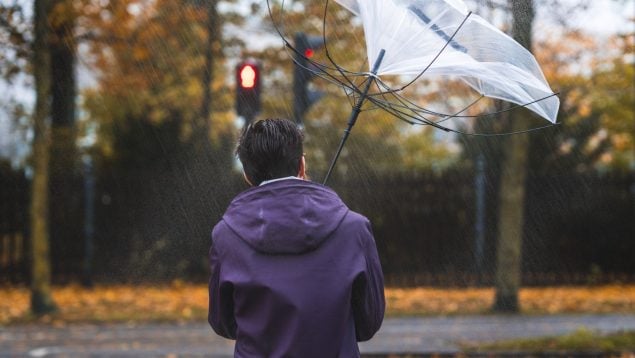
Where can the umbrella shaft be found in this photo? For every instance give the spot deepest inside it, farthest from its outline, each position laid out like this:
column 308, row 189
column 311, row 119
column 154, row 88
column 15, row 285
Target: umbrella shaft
column 355, row 113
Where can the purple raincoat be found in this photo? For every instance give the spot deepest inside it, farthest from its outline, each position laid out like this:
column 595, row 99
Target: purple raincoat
column 294, row 273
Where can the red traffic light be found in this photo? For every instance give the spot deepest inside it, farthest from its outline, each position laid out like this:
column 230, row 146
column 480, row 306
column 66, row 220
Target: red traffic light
column 248, row 88
column 247, row 75
column 308, row 53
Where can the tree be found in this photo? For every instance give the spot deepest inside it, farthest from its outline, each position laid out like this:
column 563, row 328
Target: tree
column 155, row 62
column 41, row 299
column 15, row 33
column 613, row 101
column 15, row 58
column 62, row 47
column 212, row 45
column 31, row 42
column 65, row 228
column 596, row 117
column 512, row 185
column 165, row 126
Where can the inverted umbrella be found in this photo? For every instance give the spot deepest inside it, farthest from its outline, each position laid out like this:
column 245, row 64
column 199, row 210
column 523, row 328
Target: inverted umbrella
column 416, row 39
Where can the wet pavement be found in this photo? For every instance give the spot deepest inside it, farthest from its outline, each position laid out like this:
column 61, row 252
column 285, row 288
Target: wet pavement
column 398, row 335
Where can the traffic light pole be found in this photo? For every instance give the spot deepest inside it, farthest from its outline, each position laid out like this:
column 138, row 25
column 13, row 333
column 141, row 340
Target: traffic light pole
column 355, row 113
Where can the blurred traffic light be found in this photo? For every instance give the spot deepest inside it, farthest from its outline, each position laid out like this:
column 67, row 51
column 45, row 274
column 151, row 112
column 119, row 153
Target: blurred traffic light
column 303, row 73
column 248, row 89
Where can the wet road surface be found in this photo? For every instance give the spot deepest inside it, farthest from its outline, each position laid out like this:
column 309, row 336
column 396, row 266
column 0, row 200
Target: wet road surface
column 397, row 335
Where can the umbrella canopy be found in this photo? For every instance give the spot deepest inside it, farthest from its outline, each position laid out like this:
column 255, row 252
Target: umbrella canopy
column 442, row 38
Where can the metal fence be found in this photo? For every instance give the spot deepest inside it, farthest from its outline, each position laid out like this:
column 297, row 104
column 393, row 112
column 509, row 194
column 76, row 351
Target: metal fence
column 580, row 229
column 13, row 225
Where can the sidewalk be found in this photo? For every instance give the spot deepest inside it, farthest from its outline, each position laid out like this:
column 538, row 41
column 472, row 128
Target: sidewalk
column 398, row 335
column 443, row 334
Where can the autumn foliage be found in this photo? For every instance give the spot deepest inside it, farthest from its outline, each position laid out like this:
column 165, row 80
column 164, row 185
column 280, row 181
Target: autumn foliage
column 179, row 302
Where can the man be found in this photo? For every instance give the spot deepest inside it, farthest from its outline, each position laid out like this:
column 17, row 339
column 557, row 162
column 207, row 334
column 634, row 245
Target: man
column 294, row 272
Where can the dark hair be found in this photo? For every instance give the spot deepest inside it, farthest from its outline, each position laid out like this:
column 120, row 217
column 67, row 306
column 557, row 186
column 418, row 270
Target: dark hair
column 270, row 149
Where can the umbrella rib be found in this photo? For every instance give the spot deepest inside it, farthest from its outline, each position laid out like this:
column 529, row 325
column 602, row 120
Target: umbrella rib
column 388, row 103
column 417, row 108
column 456, row 115
column 515, row 106
column 393, row 109
column 326, row 48
column 410, row 119
column 351, row 85
column 506, row 133
column 405, row 101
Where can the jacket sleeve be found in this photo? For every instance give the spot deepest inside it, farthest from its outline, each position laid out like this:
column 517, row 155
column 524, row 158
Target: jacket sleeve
column 221, row 306
column 369, row 302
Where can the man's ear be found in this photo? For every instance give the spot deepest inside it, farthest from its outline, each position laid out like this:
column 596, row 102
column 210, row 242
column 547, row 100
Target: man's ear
column 247, row 179
column 302, row 170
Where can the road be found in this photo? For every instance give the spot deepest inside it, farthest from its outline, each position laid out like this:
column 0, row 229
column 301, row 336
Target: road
column 398, row 335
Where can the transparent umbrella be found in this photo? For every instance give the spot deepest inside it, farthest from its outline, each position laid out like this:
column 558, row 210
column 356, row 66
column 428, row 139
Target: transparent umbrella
column 422, row 39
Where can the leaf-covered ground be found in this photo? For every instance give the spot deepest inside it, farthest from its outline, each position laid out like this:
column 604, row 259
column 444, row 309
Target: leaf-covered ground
column 186, row 302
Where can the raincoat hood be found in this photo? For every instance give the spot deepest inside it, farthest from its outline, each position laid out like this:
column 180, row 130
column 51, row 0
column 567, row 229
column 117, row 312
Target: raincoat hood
column 285, row 217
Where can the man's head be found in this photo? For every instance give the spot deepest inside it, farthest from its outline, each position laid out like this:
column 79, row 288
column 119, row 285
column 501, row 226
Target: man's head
column 270, row 149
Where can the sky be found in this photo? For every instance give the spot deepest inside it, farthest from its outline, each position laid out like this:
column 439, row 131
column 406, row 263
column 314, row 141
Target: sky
column 607, row 16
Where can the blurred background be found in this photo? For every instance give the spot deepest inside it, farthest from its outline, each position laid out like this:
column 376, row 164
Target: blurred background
column 118, row 121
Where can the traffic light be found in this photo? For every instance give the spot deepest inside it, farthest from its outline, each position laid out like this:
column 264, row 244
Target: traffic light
column 304, row 71
column 248, row 89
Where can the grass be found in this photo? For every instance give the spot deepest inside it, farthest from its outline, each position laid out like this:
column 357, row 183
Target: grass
column 582, row 340
column 182, row 302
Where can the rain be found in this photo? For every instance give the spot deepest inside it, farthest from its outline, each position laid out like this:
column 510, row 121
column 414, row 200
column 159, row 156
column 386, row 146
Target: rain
column 498, row 173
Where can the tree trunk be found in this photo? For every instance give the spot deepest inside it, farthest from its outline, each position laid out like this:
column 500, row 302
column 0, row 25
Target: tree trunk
column 63, row 49
column 512, row 186
column 65, row 196
column 41, row 299
column 212, row 47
